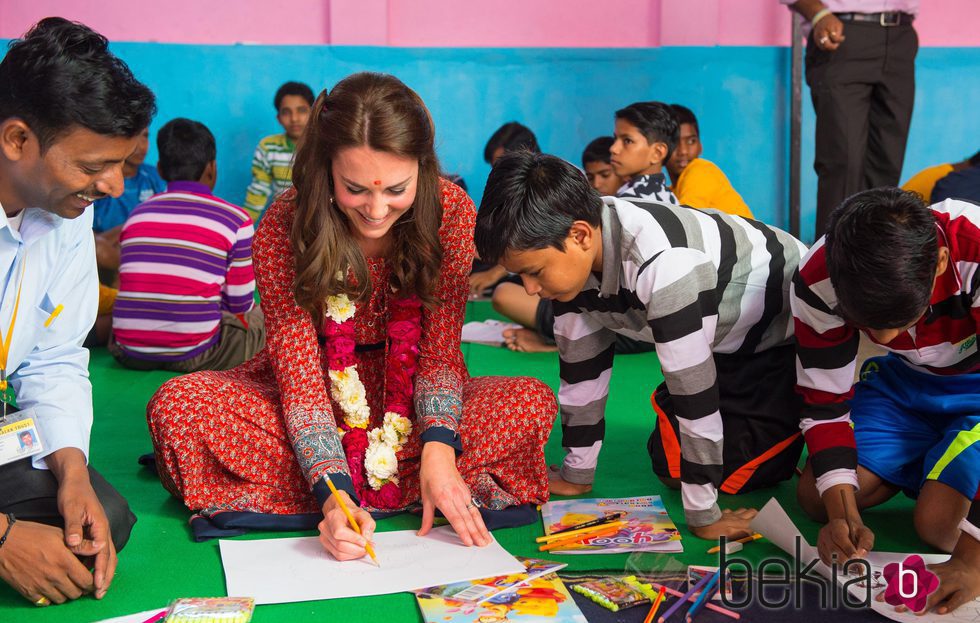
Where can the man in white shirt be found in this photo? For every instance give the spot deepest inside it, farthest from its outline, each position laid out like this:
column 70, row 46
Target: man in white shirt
column 860, row 67
column 70, row 115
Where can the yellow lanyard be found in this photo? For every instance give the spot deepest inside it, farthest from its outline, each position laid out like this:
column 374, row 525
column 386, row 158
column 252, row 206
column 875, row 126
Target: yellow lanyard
column 5, row 343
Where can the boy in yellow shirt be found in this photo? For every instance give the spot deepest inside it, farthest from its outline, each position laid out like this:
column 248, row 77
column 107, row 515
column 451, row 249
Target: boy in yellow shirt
column 699, row 183
column 925, row 180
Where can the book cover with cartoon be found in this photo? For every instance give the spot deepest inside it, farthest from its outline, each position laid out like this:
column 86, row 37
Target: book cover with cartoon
column 648, row 526
column 537, row 600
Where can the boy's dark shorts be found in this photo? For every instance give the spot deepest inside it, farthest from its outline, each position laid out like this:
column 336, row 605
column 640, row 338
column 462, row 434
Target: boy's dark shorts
column 760, row 410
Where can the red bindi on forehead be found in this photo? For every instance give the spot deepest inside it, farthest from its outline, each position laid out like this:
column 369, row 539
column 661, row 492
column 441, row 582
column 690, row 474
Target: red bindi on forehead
column 377, row 182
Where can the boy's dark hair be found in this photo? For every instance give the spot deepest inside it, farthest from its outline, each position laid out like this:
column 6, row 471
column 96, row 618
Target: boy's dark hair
column 61, row 74
column 882, row 249
column 530, row 202
column 293, row 88
column 512, row 137
column 975, row 159
column 185, row 148
column 655, row 120
column 598, row 150
column 683, row 114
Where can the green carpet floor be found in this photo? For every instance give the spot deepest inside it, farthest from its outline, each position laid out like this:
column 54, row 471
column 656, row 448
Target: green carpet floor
column 161, row 562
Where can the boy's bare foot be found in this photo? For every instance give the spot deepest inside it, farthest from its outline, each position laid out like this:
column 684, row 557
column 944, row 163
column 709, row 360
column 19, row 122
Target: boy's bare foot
column 527, row 341
column 559, row 486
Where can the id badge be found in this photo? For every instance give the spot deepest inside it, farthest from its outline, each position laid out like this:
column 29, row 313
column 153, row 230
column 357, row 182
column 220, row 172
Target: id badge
column 19, row 437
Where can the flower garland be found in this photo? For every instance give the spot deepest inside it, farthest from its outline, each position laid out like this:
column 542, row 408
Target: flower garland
column 372, row 455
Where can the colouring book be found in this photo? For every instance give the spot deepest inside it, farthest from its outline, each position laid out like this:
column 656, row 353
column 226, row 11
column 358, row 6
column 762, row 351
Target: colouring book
column 649, row 527
column 539, row 600
column 484, row 589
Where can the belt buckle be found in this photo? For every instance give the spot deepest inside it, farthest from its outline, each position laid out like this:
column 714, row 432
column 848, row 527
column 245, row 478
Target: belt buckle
column 884, row 21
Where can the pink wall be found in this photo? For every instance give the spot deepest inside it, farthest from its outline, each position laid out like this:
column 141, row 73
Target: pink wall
column 461, row 23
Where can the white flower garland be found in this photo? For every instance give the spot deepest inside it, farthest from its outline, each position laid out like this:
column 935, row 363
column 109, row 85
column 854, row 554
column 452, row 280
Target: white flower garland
column 380, row 458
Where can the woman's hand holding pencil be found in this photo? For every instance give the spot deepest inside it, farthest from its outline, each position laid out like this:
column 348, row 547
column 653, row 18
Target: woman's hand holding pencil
column 339, row 535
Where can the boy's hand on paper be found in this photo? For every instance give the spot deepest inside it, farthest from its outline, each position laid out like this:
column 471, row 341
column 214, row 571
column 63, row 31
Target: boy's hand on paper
column 36, row 562
column 734, row 524
column 336, row 534
column 959, row 577
column 443, row 488
column 845, row 538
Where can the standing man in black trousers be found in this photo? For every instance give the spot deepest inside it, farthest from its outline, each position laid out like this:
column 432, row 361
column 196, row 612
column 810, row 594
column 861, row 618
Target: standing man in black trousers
column 860, row 66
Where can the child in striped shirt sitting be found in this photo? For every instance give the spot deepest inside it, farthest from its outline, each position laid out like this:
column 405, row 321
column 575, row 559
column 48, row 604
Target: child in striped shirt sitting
column 272, row 164
column 186, row 284
column 710, row 291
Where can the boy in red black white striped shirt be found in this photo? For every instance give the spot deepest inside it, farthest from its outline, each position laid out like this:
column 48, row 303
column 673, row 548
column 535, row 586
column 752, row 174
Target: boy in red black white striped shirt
column 908, row 276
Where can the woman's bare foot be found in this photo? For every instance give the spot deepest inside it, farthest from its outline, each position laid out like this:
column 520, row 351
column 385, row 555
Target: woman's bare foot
column 559, row 486
column 527, row 341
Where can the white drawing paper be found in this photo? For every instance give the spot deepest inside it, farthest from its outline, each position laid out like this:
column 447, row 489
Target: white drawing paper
column 773, row 523
column 298, row 569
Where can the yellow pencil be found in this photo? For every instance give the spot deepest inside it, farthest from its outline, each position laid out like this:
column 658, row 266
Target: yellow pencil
column 350, row 518
column 561, row 536
column 747, row 539
column 574, row 540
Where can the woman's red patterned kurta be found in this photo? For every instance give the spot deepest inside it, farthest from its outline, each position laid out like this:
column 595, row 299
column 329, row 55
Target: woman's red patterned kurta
column 259, row 437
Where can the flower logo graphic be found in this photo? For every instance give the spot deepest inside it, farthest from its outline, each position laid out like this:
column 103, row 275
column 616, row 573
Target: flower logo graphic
column 909, row 583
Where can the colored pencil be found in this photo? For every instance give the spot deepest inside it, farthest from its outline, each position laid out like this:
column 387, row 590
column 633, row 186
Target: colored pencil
column 680, row 602
column 586, row 524
column 159, row 616
column 350, row 518
column 747, row 539
column 706, row 594
column 608, row 531
column 709, row 606
column 656, row 604
column 567, row 535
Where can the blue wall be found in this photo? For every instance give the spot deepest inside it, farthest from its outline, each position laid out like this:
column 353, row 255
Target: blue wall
column 567, row 96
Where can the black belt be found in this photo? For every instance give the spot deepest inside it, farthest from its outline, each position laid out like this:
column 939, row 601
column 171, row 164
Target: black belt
column 888, row 18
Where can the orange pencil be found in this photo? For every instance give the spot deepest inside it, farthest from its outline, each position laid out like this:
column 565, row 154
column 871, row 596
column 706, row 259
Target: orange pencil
column 656, row 604
column 580, row 537
column 350, row 518
column 563, row 536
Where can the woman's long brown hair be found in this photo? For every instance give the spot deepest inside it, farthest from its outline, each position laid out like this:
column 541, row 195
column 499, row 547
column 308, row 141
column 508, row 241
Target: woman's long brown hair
column 380, row 112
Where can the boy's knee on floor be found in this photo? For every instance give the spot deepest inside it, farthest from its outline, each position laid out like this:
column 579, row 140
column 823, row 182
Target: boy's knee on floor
column 671, row 483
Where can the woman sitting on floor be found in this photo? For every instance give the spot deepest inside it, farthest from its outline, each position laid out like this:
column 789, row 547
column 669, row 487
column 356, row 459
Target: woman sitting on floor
column 363, row 274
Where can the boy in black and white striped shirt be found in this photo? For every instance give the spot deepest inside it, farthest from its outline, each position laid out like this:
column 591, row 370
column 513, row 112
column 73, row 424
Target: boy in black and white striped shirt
column 709, row 290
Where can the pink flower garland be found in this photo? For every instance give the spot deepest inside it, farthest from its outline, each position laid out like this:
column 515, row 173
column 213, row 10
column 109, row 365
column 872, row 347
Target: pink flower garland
column 404, row 330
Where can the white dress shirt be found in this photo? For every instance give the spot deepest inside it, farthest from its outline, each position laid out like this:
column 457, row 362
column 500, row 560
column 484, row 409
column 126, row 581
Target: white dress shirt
column 48, row 366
